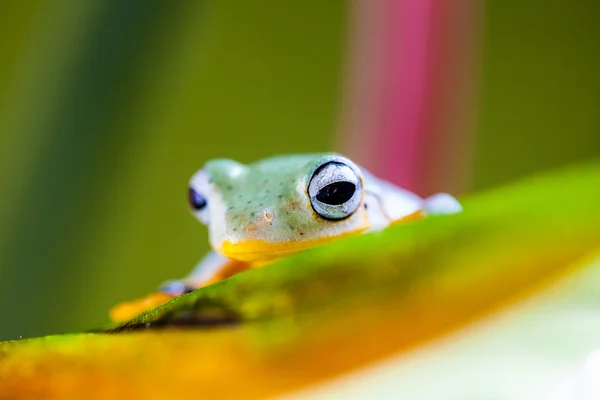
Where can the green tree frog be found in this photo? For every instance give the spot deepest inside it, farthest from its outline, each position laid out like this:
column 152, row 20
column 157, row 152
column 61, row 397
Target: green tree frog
column 277, row 206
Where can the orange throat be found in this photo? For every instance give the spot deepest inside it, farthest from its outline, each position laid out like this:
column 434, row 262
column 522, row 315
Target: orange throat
column 259, row 252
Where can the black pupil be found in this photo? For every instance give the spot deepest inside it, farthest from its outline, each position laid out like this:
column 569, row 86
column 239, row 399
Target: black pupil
column 197, row 202
column 336, row 193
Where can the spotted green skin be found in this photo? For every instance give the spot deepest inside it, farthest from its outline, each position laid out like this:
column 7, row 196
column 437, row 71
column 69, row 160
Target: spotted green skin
column 279, row 185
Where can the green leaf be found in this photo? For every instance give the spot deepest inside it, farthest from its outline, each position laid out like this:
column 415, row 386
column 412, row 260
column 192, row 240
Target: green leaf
column 333, row 308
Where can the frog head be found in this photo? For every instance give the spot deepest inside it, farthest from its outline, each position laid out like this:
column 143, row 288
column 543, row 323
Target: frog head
column 277, row 206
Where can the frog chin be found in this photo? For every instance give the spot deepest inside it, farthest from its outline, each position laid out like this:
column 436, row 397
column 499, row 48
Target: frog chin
column 259, row 252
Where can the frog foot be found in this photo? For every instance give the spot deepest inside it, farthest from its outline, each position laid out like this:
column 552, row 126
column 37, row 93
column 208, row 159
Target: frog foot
column 127, row 310
column 177, row 287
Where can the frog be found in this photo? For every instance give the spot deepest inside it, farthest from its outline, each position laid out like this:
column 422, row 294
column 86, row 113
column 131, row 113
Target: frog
column 272, row 208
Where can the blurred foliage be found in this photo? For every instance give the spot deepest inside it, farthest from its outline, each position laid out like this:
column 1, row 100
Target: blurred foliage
column 111, row 111
column 107, row 108
column 298, row 320
column 540, row 90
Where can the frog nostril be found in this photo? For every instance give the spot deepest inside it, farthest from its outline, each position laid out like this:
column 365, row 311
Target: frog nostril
column 268, row 214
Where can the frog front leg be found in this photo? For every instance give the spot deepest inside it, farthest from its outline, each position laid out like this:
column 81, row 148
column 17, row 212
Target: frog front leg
column 211, row 268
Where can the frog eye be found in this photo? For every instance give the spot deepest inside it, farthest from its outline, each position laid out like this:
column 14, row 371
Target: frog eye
column 198, row 204
column 335, row 190
column 196, row 200
column 198, row 196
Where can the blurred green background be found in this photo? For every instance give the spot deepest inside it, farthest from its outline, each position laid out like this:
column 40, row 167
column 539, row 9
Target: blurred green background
column 107, row 108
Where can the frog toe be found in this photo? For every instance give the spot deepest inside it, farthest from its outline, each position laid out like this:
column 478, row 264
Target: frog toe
column 175, row 288
column 442, row 203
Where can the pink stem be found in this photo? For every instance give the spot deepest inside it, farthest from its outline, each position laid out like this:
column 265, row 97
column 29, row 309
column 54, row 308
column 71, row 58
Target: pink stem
column 407, row 68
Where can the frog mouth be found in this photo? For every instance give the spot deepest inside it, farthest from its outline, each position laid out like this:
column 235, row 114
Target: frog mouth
column 261, row 251
column 257, row 251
